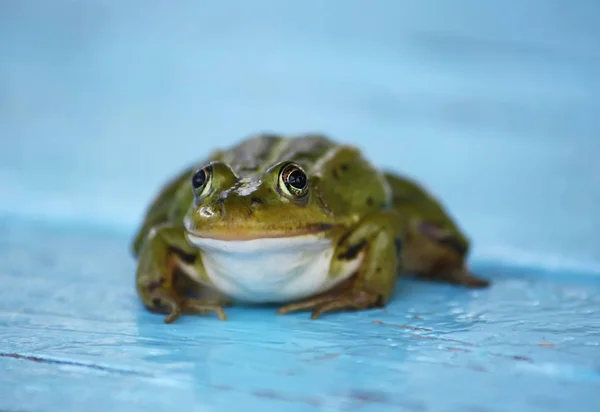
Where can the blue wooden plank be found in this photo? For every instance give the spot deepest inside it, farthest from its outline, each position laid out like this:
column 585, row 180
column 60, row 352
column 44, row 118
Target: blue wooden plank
column 74, row 337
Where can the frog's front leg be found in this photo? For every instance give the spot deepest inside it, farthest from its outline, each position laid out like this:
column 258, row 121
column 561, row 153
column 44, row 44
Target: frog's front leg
column 376, row 238
column 165, row 258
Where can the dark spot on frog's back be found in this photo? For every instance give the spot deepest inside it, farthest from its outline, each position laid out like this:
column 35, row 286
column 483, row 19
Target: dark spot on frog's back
column 369, row 201
column 338, row 170
column 251, row 153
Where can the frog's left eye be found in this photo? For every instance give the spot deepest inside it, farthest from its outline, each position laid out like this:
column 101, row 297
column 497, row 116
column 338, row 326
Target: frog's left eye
column 201, row 180
column 293, row 180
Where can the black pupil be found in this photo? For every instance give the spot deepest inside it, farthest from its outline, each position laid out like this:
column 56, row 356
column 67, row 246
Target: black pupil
column 199, row 179
column 297, row 179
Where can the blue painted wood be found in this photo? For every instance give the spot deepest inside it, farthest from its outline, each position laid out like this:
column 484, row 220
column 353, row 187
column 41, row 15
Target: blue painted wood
column 75, row 338
column 492, row 104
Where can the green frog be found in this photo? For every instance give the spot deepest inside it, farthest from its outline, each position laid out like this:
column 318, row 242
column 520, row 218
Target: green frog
column 302, row 222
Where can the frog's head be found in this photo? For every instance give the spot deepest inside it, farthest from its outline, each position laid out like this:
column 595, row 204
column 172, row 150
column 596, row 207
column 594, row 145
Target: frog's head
column 279, row 202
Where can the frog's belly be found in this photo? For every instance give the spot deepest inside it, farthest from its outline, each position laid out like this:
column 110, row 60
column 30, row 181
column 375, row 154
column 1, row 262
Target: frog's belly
column 271, row 270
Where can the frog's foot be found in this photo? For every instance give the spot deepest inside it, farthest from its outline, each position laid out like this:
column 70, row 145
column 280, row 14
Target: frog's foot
column 461, row 277
column 346, row 300
column 175, row 306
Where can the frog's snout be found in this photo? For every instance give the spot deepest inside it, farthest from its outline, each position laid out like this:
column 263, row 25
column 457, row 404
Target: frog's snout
column 232, row 210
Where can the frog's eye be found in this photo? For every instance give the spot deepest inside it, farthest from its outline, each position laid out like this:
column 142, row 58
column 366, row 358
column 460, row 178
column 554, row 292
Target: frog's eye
column 200, row 181
column 293, row 180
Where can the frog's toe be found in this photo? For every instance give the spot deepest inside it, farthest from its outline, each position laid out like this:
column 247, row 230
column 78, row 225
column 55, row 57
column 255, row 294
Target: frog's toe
column 175, row 306
column 329, row 307
column 169, row 305
column 203, row 307
column 473, row 282
column 173, row 315
column 358, row 300
column 459, row 277
column 304, row 305
column 350, row 300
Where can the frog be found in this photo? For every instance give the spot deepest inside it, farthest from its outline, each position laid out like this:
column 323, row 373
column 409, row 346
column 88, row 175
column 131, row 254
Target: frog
column 303, row 222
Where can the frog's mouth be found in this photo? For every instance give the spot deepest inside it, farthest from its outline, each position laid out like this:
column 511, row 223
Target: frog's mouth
column 239, row 233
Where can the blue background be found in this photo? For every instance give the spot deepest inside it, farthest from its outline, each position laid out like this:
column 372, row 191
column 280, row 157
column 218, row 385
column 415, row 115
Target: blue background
column 492, row 105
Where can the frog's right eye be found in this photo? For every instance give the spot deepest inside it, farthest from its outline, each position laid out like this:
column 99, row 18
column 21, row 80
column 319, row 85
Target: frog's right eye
column 200, row 181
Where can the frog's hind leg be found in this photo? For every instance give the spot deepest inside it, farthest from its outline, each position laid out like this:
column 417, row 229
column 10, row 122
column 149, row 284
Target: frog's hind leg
column 435, row 254
column 374, row 240
column 164, row 260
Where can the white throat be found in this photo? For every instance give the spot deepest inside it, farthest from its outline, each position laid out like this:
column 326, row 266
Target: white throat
column 270, row 270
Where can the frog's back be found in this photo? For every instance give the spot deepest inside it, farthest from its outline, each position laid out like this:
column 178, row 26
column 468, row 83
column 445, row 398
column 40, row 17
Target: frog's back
column 344, row 179
column 415, row 203
column 258, row 153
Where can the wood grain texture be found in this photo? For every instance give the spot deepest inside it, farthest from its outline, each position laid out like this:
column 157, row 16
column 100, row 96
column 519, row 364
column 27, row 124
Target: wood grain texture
column 74, row 337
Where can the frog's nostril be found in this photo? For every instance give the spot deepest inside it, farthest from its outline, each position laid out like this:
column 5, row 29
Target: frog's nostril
column 255, row 201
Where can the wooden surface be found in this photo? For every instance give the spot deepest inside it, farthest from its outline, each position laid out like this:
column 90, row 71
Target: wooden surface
column 75, row 338
column 493, row 105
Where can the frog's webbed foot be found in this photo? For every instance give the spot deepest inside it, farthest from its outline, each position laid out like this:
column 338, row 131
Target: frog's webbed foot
column 175, row 306
column 335, row 301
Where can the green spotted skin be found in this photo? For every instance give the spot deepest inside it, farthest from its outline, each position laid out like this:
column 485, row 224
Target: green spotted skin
column 348, row 185
column 379, row 223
